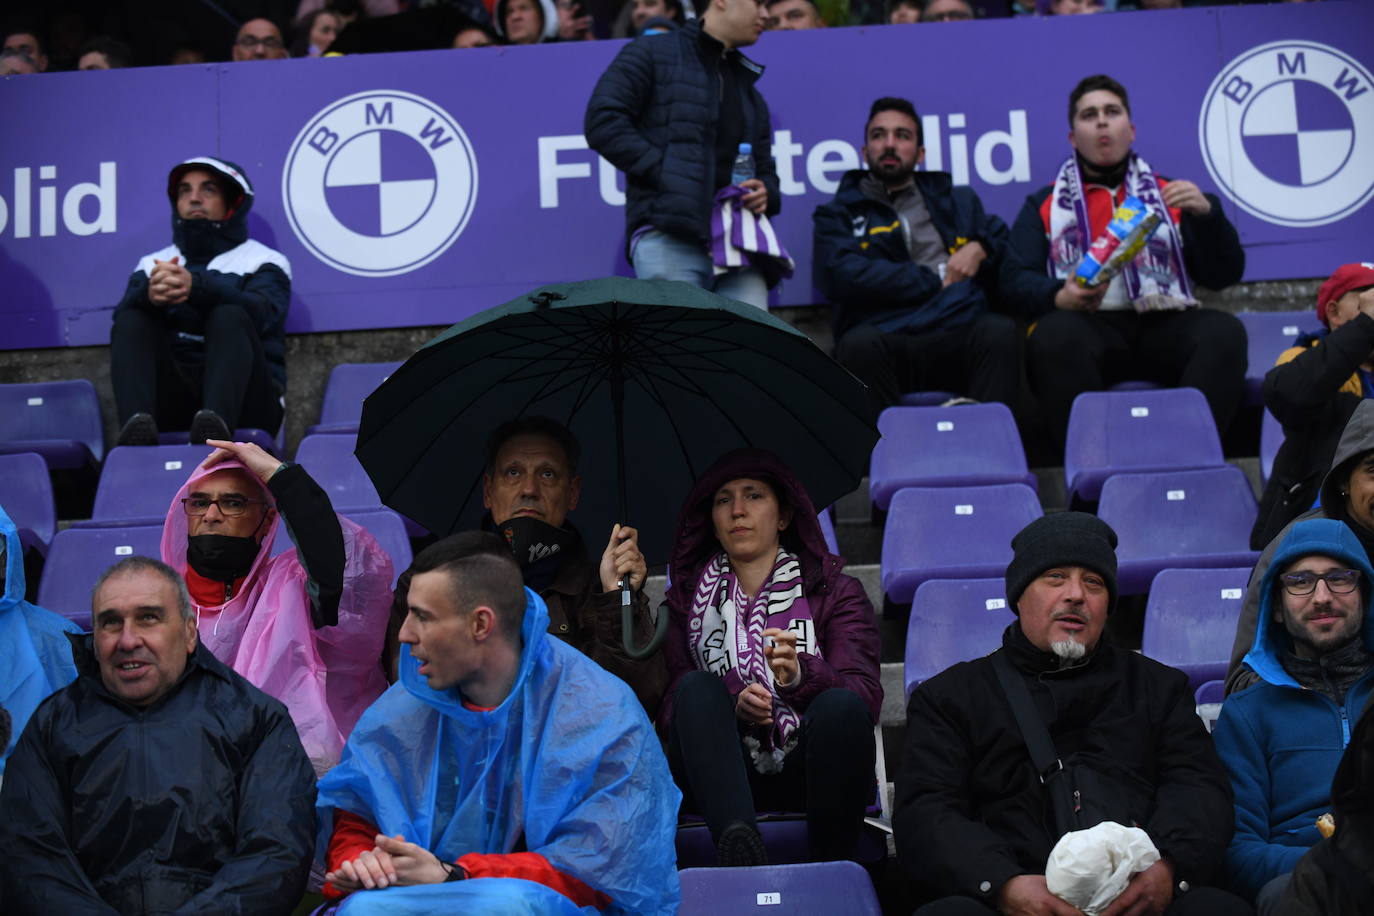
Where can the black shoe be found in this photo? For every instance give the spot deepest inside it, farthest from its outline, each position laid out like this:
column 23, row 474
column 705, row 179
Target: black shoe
column 140, row 429
column 207, row 424
column 740, row 846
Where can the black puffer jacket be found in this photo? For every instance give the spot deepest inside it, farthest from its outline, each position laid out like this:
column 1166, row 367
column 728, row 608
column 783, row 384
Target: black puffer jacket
column 203, row 802
column 653, row 115
column 971, row 810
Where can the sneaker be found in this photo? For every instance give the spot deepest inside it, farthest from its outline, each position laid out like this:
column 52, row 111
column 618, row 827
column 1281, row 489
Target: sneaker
column 740, row 846
column 140, row 429
column 207, row 424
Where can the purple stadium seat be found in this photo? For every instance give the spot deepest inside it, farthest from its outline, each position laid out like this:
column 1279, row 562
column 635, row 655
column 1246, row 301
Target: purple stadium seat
column 1120, row 432
column 1190, row 619
column 1186, row 519
column 1210, row 692
column 1134, row 385
column 953, row 620
column 784, row 836
column 348, row 386
column 386, row 525
column 137, row 483
column 925, row 398
column 1269, row 334
column 969, row 445
column 330, row 460
column 260, row 437
column 832, row 888
column 1271, row 437
column 78, row 556
column 828, row 530
column 58, row 420
column 26, row 496
column 952, row 533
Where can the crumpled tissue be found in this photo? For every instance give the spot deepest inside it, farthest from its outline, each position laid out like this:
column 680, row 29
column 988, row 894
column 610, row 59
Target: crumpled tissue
column 1090, row 868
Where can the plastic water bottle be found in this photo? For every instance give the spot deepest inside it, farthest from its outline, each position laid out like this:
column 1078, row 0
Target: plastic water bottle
column 743, row 169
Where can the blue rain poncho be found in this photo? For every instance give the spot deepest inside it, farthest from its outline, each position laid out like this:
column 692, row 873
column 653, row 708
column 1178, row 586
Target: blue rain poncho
column 568, row 760
column 35, row 656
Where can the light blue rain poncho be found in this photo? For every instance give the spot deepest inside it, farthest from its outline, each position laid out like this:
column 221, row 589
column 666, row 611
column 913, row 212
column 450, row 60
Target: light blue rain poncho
column 568, row 760
column 35, row 656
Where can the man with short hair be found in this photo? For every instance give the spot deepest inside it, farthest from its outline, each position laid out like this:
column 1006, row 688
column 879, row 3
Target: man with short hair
column 946, row 11
column 641, row 11
column 159, row 781
column 910, row 262
column 1143, row 324
column 976, row 817
column 530, row 487
column 904, row 12
column 671, row 112
column 500, row 753
column 1312, row 390
column 1282, row 739
column 16, row 63
column 26, row 42
column 199, row 339
column 793, row 15
column 103, row 53
column 305, row 625
column 259, row 39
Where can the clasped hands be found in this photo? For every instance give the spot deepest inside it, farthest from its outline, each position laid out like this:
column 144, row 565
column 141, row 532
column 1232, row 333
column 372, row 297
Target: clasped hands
column 392, row 862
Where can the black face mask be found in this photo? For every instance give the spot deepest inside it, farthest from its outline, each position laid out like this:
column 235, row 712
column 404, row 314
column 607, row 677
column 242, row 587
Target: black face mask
column 539, row 547
column 221, row 557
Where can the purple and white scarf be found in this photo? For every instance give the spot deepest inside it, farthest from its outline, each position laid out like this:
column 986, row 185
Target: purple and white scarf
column 726, row 638
column 739, row 238
column 1156, row 279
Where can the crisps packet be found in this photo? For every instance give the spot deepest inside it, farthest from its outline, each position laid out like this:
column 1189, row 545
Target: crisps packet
column 1131, row 227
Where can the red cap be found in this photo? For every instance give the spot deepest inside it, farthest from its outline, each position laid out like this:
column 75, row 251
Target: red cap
column 1346, row 278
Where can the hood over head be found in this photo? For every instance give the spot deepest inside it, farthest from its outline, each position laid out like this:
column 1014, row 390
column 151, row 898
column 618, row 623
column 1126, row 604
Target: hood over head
column 550, row 11
column 175, row 528
column 1315, row 536
column 203, row 239
column 12, row 563
column 1357, row 439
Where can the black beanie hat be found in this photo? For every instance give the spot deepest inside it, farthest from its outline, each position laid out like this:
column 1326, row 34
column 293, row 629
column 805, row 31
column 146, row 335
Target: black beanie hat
column 1062, row 539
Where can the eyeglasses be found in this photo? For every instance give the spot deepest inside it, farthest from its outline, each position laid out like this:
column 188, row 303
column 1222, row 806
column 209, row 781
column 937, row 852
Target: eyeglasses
column 271, row 42
column 1338, row 581
column 229, row 506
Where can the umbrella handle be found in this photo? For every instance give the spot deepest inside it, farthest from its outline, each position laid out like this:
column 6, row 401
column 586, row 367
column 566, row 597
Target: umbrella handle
column 627, row 625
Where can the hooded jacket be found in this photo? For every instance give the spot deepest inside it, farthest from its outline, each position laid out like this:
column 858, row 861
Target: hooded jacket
column 547, row 7
column 863, row 263
column 1313, row 389
column 846, row 626
column 1281, row 742
column 307, row 625
column 1356, row 439
column 226, row 266
column 36, row 658
column 567, row 766
column 198, row 803
column 971, row 810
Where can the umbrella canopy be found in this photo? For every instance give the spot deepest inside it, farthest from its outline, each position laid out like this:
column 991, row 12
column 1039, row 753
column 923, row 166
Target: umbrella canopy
column 656, row 379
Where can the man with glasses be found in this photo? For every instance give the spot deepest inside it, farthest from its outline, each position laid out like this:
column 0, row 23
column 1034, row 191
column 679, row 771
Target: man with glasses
column 259, row 39
column 1282, row 738
column 304, row 625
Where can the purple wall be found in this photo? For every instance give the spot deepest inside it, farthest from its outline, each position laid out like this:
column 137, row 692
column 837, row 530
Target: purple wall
column 420, row 188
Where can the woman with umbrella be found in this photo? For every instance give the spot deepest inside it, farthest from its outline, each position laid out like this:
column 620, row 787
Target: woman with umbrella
column 772, row 654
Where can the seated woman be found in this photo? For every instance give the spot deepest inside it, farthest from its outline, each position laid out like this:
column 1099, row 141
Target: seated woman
column 773, row 657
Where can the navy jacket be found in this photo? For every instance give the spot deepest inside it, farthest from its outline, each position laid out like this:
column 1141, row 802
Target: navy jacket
column 653, row 115
column 863, row 265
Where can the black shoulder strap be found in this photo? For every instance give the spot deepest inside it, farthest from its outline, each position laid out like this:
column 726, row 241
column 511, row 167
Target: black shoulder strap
column 1033, row 732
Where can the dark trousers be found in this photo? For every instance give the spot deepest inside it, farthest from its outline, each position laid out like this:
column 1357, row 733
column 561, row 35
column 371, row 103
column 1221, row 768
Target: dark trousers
column 1069, row 353
column 981, row 360
column 234, row 379
column 829, row 774
column 1201, row 901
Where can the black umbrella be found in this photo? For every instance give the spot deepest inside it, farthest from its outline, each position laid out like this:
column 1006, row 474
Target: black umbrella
column 656, row 379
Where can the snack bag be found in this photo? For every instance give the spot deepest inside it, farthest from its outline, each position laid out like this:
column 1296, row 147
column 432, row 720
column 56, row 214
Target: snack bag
column 1131, row 227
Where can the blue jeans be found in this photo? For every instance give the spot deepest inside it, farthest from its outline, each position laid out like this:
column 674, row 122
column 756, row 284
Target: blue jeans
column 661, row 256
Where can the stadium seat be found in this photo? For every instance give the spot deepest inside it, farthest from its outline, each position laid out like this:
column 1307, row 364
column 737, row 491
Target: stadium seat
column 832, row 888
column 329, row 459
column 828, row 531
column 78, row 556
column 970, row 445
column 260, row 437
column 348, row 386
column 1210, row 692
column 953, row 620
column 386, row 525
column 1271, row 437
column 1269, row 334
column 951, row 533
column 138, row 483
column 1190, row 620
column 1134, row 385
column 26, row 496
column 1187, row 519
column 58, row 420
column 925, row 398
column 1118, row 432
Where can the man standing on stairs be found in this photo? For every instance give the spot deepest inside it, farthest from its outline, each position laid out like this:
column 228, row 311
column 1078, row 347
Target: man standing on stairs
column 199, row 338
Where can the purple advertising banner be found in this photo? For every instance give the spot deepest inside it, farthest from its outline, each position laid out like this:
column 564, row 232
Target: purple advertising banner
column 415, row 189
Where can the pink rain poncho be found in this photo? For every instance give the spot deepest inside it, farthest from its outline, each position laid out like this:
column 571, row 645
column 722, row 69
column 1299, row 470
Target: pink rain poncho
column 327, row 676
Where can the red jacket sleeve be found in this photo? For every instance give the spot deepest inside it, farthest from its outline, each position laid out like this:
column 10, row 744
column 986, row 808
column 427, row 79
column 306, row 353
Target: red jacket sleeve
column 532, row 867
column 352, row 836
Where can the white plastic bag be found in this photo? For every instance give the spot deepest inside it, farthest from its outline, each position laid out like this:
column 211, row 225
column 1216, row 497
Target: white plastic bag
column 1090, row 868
